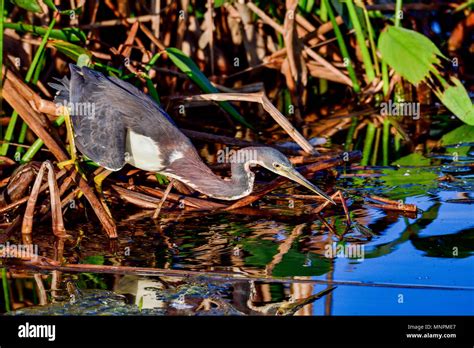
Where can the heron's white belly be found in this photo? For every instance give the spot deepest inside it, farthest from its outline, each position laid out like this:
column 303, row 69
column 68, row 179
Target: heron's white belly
column 143, row 152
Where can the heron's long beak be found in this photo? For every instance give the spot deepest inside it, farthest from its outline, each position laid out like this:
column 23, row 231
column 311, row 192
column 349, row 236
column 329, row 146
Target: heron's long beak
column 294, row 175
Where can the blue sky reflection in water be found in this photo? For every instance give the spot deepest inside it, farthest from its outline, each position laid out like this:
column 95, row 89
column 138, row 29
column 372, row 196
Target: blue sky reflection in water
column 413, row 255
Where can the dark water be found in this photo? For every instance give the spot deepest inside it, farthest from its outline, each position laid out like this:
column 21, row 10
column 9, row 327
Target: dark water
column 385, row 264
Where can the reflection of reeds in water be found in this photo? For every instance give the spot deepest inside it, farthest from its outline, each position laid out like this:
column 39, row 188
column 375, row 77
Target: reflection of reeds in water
column 301, row 291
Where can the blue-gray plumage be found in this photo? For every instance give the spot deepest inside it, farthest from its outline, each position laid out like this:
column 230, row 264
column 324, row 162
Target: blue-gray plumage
column 115, row 123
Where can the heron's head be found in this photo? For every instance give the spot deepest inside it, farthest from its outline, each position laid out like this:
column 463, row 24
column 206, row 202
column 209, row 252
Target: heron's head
column 278, row 163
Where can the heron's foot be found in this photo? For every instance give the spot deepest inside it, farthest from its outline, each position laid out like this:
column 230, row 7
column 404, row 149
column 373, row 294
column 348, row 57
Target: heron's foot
column 66, row 163
column 73, row 161
column 99, row 179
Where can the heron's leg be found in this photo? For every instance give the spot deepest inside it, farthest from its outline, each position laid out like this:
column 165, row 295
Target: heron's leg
column 66, row 163
column 72, row 145
column 98, row 180
column 70, row 135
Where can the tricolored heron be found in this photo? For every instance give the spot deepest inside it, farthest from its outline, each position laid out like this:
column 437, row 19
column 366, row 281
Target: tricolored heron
column 115, row 123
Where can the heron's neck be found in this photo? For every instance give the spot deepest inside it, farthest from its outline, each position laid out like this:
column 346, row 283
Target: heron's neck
column 199, row 177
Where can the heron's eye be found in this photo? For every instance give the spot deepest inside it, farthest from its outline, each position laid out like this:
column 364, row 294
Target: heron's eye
column 276, row 165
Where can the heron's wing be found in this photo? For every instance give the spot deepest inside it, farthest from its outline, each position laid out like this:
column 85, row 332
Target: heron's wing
column 121, row 96
column 99, row 132
column 102, row 139
column 113, row 107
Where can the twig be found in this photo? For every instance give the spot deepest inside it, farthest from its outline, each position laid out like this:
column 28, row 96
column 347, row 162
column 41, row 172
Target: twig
column 126, row 48
column 163, row 199
column 210, row 31
column 229, row 141
column 325, row 223
column 149, row 202
column 152, row 37
column 392, row 205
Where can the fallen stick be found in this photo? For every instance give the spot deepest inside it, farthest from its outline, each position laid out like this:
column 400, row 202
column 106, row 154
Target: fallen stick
column 146, row 201
column 43, row 298
column 392, row 205
column 346, row 209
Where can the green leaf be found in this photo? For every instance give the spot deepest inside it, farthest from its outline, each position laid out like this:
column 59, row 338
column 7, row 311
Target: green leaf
column 66, row 34
column 162, row 179
column 261, row 252
column 69, row 49
column 414, row 159
column 29, row 5
column 407, row 182
column 442, row 245
column 411, row 54
column 456, row 99
column 462, row 134
column 50, row 4
column 187, row 66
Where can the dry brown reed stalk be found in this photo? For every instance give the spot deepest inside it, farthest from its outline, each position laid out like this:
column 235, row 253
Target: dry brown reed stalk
column 148, row 198
column 319, row 59
column 320, row 207
column 229, row 141
column 126, row 49
column 56, row 212
column 296, row 77
column 388, row 204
